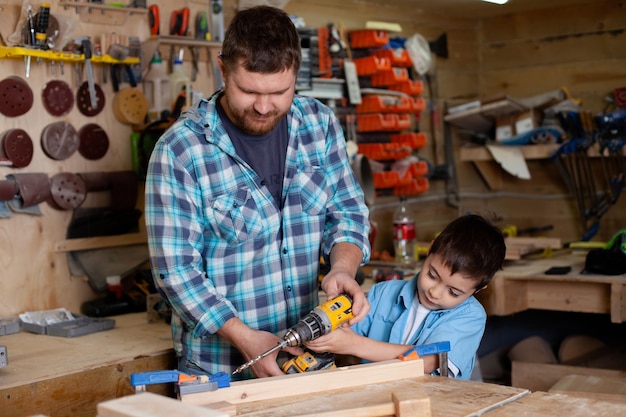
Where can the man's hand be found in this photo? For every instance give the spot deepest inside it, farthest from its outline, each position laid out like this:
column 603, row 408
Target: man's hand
column 345, row 259
column 251, row 343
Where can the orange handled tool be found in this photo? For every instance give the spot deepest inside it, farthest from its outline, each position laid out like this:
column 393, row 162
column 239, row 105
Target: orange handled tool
column 179, row 23
column 154, row 20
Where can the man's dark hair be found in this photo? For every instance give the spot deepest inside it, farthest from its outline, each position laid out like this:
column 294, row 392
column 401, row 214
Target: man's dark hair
column 472, row 246
column 265, row 40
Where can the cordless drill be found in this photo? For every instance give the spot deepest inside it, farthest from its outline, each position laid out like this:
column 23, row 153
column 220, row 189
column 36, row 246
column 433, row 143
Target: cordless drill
column 321, row 320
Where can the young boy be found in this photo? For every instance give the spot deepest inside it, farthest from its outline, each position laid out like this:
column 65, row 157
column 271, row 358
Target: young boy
column 436, row 305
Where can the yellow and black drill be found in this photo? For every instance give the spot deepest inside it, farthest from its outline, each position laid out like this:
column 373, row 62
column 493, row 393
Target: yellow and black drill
column 321, row 320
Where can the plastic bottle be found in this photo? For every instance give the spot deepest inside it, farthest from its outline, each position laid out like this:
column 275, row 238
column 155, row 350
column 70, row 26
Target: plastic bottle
column 156, row 88
column 404, row 235
column 180, row 83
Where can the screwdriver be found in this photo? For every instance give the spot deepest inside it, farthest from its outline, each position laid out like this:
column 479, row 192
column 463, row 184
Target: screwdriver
column 43, row 20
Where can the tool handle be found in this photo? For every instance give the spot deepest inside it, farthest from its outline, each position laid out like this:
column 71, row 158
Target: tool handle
column 155, row 23
column 43, row 20
column 86, row 47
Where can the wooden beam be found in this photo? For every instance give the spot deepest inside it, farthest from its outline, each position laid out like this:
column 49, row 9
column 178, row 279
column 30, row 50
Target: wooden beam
column 148, row 404
column 100, row 242
column 296, row 384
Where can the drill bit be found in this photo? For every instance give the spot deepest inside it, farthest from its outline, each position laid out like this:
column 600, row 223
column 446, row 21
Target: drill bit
column 252, row 361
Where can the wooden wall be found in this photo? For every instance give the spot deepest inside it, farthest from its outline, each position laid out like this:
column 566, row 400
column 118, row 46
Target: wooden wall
column 582, row 48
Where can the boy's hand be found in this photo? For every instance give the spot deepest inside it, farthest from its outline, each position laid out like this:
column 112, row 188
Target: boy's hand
column 339, row 341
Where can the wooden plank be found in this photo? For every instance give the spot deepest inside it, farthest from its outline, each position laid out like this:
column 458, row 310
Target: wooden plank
column 296, row 384
column 448, row 398
column 540, row 377
column 591, row 386
column 588, row 17
column 152, row 405
column 556, row 405
column 100, row 242
column 618, row 302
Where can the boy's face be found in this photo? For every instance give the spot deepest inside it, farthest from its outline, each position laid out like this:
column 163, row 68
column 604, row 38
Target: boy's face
column 438, row 289
column 256, row 102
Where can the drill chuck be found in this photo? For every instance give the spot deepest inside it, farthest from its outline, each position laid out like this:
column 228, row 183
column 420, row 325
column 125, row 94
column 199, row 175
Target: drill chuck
column 322, row 320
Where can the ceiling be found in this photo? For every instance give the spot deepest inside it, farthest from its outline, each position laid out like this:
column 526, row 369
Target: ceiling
column 477, row 9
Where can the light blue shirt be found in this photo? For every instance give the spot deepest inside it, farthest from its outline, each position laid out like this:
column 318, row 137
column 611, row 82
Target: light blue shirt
column 221, row 247
column 463, row 326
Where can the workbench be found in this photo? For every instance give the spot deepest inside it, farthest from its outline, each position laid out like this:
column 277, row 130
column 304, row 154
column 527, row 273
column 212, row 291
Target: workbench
column 60, row 377
column 523, row 285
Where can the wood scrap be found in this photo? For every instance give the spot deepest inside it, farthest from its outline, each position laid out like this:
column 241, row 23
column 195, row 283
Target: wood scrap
column 517, row 247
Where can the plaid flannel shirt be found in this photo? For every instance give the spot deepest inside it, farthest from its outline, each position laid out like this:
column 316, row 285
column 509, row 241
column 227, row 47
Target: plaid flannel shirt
column 219, row 246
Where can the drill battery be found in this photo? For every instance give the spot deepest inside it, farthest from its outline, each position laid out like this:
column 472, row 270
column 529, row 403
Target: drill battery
column 309, row 361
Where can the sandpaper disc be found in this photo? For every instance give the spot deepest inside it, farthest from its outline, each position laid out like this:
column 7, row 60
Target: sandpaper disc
column 59, row 140
column 67, row 190
column 83, row 100
column 58, row 98
column 130, row 106
column 16, row 97
column 17, row 146
column 94, row 142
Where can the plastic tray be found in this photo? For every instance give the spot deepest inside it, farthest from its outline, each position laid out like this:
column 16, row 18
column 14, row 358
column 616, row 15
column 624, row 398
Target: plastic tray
column 80, row 326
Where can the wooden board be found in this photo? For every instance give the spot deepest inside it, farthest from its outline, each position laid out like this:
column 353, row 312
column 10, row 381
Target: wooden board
column 152, row 405
column 300, row 384
column 591, row 386
column 448, row 398
column 557, row 405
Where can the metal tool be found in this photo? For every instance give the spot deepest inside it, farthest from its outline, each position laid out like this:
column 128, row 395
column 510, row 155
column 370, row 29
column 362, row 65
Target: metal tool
column 321, row 320
column 185, row 384
column 309, row 361
column 85, row 44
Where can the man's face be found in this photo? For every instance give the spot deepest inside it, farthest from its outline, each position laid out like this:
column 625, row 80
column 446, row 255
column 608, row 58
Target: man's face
column 256, row 102
column 438, row 289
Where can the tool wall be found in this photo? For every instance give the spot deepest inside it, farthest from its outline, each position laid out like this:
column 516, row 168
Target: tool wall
column 67, row 113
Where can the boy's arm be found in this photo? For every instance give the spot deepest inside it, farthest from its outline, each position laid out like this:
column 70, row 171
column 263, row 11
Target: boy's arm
column 344, row 341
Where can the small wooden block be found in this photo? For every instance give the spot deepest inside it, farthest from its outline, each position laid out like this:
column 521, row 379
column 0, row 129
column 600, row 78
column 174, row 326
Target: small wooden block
column 408, row 406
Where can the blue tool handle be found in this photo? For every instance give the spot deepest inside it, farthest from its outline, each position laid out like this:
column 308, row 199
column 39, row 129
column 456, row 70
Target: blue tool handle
column 155, row 377
column 431, row 348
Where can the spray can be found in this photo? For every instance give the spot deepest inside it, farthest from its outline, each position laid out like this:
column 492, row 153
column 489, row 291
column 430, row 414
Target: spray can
column 156, row 86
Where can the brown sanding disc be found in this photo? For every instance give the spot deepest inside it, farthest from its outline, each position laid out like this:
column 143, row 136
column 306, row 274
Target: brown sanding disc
column 94, row 142
column 83, row 100
column 59, row 140
column 58, row 98
column 130, row 106
column 16, row 97
column 17, row 146
column 67, row 191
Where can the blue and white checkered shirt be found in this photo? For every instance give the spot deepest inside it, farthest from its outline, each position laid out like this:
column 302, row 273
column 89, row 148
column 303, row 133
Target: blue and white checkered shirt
column 219, row 246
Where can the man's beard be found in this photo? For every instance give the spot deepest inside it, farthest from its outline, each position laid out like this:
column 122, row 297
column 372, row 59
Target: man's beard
column 247, row 121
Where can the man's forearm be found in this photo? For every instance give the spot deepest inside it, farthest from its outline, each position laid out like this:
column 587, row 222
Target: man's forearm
column 346, row 257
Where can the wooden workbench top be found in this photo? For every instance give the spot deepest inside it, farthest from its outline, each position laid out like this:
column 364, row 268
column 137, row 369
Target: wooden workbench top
column 34, row 357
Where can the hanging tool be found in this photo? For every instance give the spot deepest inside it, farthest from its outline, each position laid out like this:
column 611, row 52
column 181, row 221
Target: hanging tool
column 85, row 44
column 41, row 30
column 179, row 22
column 217, row 21
column 320, row 321
column 202, row 33
column 155, row 22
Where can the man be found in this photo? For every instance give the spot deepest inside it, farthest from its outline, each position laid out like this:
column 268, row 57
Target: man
column 244, row 193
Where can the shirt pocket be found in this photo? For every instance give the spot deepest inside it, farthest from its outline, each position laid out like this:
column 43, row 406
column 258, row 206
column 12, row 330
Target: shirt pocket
column 236, row 216
column 312, row 189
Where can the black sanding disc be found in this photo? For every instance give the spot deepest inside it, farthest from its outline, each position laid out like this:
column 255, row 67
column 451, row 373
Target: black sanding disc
column 59, row 140
column 58, row 98
column 17, row 146
column 16, row 97
column 94, row 142
column 67, row 191
column 83, row 100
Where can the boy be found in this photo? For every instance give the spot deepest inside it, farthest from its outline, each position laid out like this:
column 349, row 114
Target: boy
column 434, row 306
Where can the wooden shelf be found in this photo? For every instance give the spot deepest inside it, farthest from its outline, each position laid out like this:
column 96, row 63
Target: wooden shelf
column 101, row 13
column 100, row 242
column 481, row 153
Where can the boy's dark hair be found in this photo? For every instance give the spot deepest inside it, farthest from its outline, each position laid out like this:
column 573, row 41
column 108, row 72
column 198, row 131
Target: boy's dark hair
column 472, row 246
column 264, row 38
